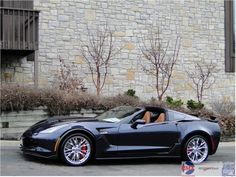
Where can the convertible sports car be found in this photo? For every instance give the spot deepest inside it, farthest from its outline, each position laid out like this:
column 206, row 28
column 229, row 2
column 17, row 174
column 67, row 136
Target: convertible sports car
column 123, row 132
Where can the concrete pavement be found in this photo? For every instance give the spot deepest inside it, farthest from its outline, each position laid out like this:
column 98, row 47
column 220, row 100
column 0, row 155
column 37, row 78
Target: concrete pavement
column 14, row 163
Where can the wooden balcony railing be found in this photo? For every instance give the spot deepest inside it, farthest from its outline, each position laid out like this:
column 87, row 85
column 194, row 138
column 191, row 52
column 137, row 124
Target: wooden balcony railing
column 18, row 29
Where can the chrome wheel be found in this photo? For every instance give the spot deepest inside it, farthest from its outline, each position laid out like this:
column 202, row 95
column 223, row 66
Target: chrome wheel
column 77, row 150
column 197, row 149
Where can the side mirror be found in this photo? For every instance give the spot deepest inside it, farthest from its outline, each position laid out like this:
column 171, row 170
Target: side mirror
column 137, row 122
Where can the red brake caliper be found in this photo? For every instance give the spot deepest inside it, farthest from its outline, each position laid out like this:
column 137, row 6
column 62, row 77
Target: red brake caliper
column 189, row 149
column 83, row 150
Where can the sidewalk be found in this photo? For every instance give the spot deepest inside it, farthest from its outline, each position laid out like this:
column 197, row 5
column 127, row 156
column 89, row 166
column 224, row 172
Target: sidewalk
column 9, row 143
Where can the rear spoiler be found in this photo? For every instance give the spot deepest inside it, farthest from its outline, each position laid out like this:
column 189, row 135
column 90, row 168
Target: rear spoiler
column 212, row 120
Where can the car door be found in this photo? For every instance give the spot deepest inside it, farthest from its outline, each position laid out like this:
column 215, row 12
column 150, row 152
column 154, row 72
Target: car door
column 147, row 139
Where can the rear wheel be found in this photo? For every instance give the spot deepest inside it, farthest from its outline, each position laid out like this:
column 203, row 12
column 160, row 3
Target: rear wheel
column 76, row 149
column 196, row 149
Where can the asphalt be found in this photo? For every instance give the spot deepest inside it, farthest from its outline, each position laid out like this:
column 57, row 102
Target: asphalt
column 13, row 162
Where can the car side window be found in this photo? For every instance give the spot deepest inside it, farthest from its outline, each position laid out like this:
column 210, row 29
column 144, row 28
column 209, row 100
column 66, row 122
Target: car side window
column 175, row 116
column 153, row 116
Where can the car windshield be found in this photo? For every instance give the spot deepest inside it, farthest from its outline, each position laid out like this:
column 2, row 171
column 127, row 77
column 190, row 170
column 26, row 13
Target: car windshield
column 118, row 113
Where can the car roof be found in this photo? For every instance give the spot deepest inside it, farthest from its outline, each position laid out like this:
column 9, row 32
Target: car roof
column 155, row 108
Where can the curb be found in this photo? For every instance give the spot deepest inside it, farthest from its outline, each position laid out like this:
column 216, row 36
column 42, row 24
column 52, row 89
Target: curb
column 225, row 144
column 17, row 143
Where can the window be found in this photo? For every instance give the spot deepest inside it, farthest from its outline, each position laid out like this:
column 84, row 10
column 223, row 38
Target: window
column 229, row 36
column 117, row 114
column 175, row 116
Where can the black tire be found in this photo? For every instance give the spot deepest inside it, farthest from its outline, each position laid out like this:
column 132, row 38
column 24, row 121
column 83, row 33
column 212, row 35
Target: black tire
column 65, row 144
column 185, row 155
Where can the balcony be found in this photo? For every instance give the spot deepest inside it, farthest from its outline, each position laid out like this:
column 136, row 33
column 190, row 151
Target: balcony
column 18, row 30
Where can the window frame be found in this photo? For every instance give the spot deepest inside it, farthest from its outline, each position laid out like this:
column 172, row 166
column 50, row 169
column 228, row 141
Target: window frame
column 229, row 36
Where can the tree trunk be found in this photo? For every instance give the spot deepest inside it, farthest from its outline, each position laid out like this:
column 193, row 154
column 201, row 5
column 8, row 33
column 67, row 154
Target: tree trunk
column 98, row 91
column 160, row 98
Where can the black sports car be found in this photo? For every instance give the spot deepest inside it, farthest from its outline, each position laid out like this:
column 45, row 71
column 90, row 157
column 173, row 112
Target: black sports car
column 123, row 132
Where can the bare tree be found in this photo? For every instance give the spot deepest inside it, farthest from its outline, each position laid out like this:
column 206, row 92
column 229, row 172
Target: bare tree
column 66, row 80
column 223, row 107
column 98, row 51
column 160, row 59
column 202, row 77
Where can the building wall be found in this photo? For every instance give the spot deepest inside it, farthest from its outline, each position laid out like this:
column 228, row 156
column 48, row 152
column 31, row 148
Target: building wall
column 200, row 24
column 17, row 71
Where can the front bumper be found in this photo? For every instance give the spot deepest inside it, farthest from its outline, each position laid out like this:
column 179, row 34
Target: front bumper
column 41, row 147
column 37, row 152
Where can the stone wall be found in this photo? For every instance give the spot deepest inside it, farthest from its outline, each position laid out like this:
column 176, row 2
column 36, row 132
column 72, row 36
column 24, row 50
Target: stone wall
column 200, row 24
column 17, row 70
column 13, row 124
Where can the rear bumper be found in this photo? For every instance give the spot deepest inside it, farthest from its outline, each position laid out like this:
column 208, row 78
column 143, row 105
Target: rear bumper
column 215, row 140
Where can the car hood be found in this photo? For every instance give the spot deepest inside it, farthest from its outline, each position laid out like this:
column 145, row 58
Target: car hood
column 58, row 121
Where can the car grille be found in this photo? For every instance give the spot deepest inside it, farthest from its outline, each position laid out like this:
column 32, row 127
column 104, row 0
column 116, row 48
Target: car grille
column 28, row 142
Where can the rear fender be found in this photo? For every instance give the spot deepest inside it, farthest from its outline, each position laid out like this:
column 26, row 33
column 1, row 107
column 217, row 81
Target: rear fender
column 202, row 133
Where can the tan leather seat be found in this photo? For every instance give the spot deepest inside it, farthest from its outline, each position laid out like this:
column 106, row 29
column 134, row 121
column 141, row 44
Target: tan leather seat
column 147, row 117
column 161, row 118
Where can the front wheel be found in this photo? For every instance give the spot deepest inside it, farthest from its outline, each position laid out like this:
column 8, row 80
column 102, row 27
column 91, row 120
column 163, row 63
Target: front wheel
column 196, row 149
column 76, row 149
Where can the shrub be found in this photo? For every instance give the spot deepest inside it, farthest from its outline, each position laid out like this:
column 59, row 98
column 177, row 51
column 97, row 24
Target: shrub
column 194, row 105
column 119, row 100
column 16, row 98
column 173, row 103
column 227, row 124
column 203, row 113
column 60, row 102
column 56, row 101
column 153, row 102
column 223, row 107
column 131, row 93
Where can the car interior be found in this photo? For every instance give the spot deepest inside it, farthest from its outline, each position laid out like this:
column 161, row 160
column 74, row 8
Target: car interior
column 154, row 117
column 151, row 115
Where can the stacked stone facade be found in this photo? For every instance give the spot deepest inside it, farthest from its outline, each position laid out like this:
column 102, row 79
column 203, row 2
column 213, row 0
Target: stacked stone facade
column 200, row 24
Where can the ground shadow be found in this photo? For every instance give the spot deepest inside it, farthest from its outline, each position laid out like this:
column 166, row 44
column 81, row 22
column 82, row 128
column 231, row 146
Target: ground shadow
column 144, row 161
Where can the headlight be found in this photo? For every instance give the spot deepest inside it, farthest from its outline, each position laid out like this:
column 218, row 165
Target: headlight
column 52, row 129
